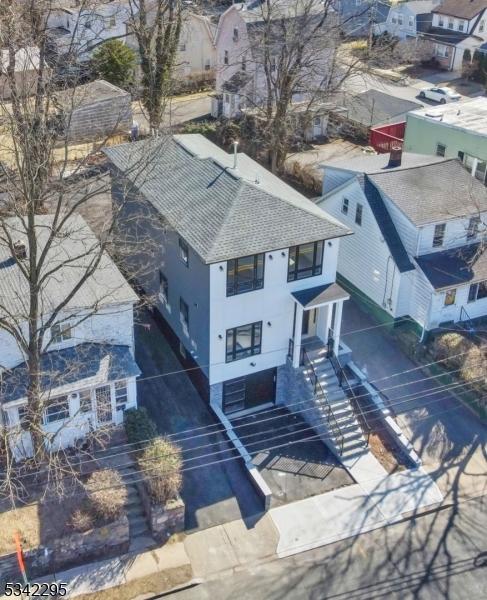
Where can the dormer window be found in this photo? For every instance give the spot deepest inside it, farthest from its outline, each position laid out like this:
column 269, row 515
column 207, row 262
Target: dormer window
column 451, row 24
column 439, row 235
column 461, row 25
column 473, row 227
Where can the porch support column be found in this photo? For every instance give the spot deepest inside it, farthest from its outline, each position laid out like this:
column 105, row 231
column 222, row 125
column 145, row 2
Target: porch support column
column 298, row 326
column 329, row 315
column 337, row 326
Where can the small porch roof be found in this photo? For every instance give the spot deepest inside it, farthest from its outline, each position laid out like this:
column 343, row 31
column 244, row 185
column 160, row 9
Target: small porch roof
column 320, row 295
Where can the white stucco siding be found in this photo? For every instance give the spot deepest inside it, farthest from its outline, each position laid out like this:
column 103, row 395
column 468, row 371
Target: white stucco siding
column 364, row 258
column 273, row 305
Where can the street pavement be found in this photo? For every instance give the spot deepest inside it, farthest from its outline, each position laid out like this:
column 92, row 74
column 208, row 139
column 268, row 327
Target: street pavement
column 440, row 555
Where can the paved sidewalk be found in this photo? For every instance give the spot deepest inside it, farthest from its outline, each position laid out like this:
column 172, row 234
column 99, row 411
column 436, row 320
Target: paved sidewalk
column 353, row 510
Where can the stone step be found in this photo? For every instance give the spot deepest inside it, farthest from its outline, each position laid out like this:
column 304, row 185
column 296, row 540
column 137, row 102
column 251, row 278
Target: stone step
column 135, row 511
column 139, row 529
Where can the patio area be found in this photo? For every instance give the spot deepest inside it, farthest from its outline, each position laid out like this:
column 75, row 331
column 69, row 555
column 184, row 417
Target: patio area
column 293, row 461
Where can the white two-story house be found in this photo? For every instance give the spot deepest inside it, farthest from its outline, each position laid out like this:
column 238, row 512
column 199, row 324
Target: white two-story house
column 458, row 28
column 241, row 62
column 88, row 371
column 406, row 20
column 419, row 244
column 245, row 273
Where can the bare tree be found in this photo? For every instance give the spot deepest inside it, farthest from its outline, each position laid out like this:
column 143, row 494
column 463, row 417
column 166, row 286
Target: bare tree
column 48, row 256
column 156, row 25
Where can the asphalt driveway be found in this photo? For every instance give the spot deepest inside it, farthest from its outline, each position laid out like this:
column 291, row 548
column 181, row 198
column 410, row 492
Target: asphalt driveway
column 213, row 494
column 447, row 436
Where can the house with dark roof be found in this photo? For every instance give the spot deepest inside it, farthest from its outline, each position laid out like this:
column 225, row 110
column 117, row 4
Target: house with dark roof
column 419, row 223
column 458, row 29
column 241, row 62
column 356, row 17
column 88, row 370
column 245, row 277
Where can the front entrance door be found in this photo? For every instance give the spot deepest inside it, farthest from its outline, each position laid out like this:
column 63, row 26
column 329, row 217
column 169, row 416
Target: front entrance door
column 249, row 392
column 103, row 404
column 309, row 323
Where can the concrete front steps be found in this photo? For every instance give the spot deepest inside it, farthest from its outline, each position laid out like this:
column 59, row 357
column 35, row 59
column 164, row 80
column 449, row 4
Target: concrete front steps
column 354, row 442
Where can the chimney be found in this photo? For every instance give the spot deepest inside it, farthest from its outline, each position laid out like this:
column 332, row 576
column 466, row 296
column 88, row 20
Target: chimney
column 20, row 250
column 395, row 158
column 235, row 155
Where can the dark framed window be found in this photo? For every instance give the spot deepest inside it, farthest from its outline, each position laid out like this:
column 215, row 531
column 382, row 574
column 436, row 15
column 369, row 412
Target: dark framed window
column 58, row 410
column 23, row 414
column 245, row 274
column 225, row 57
column 440, row 149
column 244, row 341
column 121, row 395
column 345, row 206
column 60, row 332
column 439, row 235
column 305, row 260
column 473, row 227
column 184, row 314
column 163, row 288
column 477, row 291
column 184, row 251
column 359, row 211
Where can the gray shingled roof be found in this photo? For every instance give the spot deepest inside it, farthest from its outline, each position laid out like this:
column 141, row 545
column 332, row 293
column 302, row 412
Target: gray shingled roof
column 463, row 9
column 86, row 364
column 221, row 212
column 374, row 107
column 106, row 286
column 457, row 266
column 433, row 193
column 379, row 163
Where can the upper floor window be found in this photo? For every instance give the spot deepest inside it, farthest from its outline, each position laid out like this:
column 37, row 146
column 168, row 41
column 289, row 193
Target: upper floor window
column 411, row 21
column 163, row 288
column 305, row 260
column 481, row 26
column 473, row 227
column 440, row 149
column 345, row 206
column 182, row 47
column 58, row 410
column 184, row 251
column 451, row 24
column 477, row 291
column 359, row 211
column 225, row 57
column 441, row 21
column 400, row 19
column 235, row 34
column 394, row 18
column 22, row 412
column 60, row 332
column 273, row 63
column 245, row 274
column 244, row 64
column 184, row 315
column 439, row 235
column 244, row 341
column 461, row 25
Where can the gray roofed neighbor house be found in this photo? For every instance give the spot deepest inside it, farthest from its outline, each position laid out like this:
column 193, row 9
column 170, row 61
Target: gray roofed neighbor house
column 387, row 227
column 86, row 364
column 373, row 107
column 321, row 294
column 463, row 9
column 378, row 163
column 433, row 193
column 220, row 211
column 458, row 266
column 70, row 256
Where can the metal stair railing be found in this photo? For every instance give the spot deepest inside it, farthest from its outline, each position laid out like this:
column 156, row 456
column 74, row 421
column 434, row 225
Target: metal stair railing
column 318, row 391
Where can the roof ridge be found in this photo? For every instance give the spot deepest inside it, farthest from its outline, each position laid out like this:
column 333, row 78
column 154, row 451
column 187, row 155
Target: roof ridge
column 429, row 164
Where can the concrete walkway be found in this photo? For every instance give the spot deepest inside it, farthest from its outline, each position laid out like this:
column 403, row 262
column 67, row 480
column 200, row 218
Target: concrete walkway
column 353, row 510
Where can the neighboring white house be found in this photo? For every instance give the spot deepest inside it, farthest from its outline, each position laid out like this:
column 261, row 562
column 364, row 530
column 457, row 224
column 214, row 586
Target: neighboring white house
column 88, row 367
column 197, row 51
column 418, row 226
column 246, row 272
column 406, row 19
column 457, row 26
column 78, row 29
column 27, row 61
column 240, row 70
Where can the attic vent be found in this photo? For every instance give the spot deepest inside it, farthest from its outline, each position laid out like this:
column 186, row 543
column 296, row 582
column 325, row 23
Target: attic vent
column 20, row 250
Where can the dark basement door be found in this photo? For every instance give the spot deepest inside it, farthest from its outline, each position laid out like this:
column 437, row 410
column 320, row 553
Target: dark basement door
column 250, row 391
